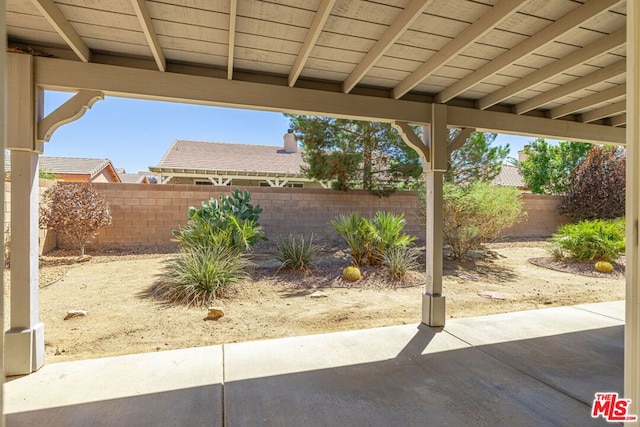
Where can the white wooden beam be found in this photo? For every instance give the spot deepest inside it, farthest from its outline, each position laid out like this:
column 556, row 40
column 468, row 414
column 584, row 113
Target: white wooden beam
column 404, row 20
column 71, row 110
column 233, row 11
column 460, row 139
column 610, row 71
column 588, row 101
column 487, row 22
column 59, row 74
column 538, row 40
column 514, row 124
column 56, row 18
column 580, row 56
column 310, row 40
column 608, row 111
column 620, row 120
column 632, row 300
column 147, row 28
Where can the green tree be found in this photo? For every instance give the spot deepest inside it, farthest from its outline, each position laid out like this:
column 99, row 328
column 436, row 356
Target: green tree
column 476, row 160
column 355, row 154
column 547, row 169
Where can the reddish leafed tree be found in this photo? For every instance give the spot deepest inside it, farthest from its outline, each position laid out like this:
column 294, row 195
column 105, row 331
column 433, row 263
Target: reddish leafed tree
column 597, row 186
column 75, row 209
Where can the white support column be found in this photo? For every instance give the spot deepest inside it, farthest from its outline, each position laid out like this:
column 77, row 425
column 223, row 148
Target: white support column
column 3, row 143
column 436, row 138
column 632, row 321
column 24, row 351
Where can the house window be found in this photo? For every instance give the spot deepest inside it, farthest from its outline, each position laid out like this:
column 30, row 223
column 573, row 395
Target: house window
column 202, row 182
column 296, row 185
column 264, row 184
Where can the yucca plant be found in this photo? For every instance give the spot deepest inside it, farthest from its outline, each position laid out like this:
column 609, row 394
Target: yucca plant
column 385, row 231
column 398, row 261
column 354, row 230
column 590, row 241
column 296, row 252
column 370, row 239
column 198, row 275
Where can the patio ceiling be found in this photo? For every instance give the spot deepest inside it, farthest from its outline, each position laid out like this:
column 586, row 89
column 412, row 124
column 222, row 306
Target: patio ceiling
column 559, row 60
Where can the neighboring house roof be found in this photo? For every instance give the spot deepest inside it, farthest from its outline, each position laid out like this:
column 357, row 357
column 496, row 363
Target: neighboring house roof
column 78, row 166
column 229, row 158
column 509, row 176
column 136, row 178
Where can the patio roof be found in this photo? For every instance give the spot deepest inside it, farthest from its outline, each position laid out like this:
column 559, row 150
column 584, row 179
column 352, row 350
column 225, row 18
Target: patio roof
column 561, row 60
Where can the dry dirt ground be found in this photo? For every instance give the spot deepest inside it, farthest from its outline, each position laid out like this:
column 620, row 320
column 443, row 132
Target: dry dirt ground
column 122, row 317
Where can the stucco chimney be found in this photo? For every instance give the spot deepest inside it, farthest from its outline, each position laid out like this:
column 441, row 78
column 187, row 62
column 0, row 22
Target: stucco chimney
column 521, row 155
column 290, row 143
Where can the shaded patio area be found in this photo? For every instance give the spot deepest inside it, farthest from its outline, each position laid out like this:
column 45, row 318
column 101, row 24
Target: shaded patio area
column 539, row 367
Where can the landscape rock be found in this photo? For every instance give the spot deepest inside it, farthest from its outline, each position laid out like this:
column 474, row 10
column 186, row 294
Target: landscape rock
column 75, row 313
column 318, row 294
column 214, row 313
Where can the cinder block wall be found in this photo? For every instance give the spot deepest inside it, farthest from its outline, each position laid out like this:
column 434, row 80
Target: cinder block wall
column 145, row 215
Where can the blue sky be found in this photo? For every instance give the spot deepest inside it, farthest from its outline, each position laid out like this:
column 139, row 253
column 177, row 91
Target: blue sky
column 135, row 134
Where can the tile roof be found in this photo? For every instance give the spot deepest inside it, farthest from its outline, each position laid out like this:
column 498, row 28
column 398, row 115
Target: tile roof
column 132, row 177
column 73, row 165
column 218, row 156
column 509, row 176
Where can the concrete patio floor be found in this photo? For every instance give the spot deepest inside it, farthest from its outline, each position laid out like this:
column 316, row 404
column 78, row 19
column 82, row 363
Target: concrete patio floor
column 530, row 368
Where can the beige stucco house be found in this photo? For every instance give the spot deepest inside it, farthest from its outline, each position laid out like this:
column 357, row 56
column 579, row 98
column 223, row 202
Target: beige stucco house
column 222, row 164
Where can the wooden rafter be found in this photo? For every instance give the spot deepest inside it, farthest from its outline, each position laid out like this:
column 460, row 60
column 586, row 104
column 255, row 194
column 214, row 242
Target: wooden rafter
column 620, row 120
column 588, row 101
column 608, row 111
column 538, row 40
column 152, row 38
column 576, row 85
column 56, row 18
column 473, row 32
column 233, row 11
column 580, row 56
column 404, row 20
column 310, row 40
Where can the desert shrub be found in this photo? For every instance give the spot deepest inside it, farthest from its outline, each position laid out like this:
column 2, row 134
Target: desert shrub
column 398, row 261
column 230, row 222
column 296, row 252
column 75, row 209
column 590, row 241
column 370, row 239
column 198, row 275
column 597, row 186
column 477, row 214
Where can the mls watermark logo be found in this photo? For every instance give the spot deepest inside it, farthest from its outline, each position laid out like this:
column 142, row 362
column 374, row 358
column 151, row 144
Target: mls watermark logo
column 612, row 408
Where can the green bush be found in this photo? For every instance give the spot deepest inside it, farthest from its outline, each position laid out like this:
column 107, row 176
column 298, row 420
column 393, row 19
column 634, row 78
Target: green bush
column 399, row 261
column 590, row 241
column 477, row 214
column 200, row 274
column 295, row 252
column 231, row 222
column 370, row 239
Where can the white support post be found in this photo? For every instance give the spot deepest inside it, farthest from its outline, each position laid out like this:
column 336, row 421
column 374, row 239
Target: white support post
column 632, row 319
column 24, row 350
column 436, row 138
column 3, row 121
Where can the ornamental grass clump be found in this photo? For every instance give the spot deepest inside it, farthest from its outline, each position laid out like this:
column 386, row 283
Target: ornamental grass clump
column 295, row 252
column 198, row 275
column 590, row 240
column 399, row 261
